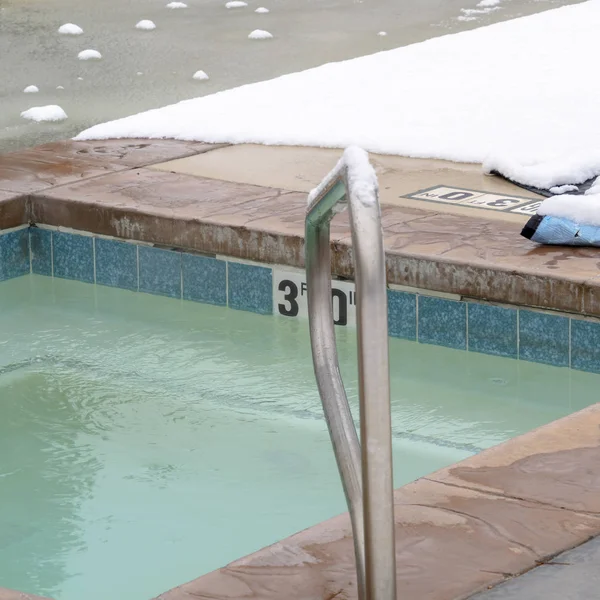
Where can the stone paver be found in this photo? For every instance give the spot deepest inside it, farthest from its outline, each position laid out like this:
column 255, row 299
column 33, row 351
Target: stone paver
column 573, row 575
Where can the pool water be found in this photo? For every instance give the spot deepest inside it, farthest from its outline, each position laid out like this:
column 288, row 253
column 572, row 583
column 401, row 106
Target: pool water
column 145, row 441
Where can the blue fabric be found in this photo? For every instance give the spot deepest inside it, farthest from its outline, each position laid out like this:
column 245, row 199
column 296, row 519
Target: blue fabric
column 559, row 231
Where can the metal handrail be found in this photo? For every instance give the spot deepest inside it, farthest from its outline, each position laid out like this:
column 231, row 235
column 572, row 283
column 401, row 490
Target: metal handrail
column 366, row 470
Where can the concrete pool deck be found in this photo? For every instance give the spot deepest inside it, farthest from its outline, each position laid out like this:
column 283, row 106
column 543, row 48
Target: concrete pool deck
column 448, row 229
column 249, row 202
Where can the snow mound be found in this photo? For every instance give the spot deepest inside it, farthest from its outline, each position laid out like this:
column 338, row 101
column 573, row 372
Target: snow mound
column 70, row 29
column 177, row 5
column 260, row 34
column 89, row 55
column 139, row 73
column 463, row 97
column 200, row 76
column 261, row 10
column 236, row 4
column 145, row 24
column 31, row 89
column 52, row 112
column 60, row 87
column 382, row 33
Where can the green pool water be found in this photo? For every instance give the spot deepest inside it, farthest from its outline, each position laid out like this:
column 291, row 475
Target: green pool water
column 145, row 441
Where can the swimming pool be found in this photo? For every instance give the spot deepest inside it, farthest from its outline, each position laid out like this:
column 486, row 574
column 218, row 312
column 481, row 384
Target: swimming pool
column 147, row 440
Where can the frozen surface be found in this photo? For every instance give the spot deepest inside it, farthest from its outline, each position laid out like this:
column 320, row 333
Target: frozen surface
column 464, row 97
column 89, row 55
column 145, row 24
column 70, row 29
column 51, row 112
column 260, row 34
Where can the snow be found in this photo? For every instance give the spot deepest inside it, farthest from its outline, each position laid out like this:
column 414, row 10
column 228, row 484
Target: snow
column 31, row 89
column 200, row 76
column 60, row 87
column 262, row 10
column 177, row 5
column 260, row 34
column 563, row 189
column 463, row 18
column 584, row 210
column 236, row 4
column 52, row 112
column 361, row 176
column 145, row 24
column 382, row 33
column 70, row 29
column 500, row 93
column 89, row 55
column 488, row 3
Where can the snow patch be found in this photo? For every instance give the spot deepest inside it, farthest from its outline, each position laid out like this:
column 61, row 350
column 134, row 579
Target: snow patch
column 584, row 210
column 460, row 97
column 52, row 112
column 145, row 24
column 89, row 55
column 488, row 3
column 139, row 73
column 260, row 34
column 262, row 10
column 31, row 89
column 200, row 76
column 382, row 33
column 70, row 29
column 174, row 5
column 463, row 18
column 563, row 189
column 60, row 87
column 236, row 4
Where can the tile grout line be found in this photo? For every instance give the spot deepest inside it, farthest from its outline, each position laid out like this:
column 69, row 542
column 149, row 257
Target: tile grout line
column 137, row 266
column 227, row 283
column 52, row 254
column 417, row 317
column 466, row 326
column 181, row 275
column 570, row 324
column 94, row 257
column 518, row 334
column 29, row 247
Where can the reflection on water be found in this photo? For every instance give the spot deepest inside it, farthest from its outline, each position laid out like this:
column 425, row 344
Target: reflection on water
column 146, row 69
column 144, row 440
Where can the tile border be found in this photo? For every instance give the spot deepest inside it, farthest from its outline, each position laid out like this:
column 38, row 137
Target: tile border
column 445, row 324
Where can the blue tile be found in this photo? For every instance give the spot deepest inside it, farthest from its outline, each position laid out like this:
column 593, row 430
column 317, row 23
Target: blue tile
column 544, row 338
column 14, row 254
column 116, row 264
column 41, row 250
column 442, row 322
column 585, row 345
column 204, row 279
column 73, row 256
column 402, row 314
column 250, row 288
column 492, row 330
column 160, row 271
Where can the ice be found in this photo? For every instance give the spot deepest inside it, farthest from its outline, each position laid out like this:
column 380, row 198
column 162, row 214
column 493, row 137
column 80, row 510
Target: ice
column 260, row 34
column 200, row 76
column 89, row 55
column 382, row 33
column 177, row 5
column 70, row 29
column 236, row 4
column 145, row 24
column 52, row 112
column 502, row 92
column 31, row 89
column 262, row 10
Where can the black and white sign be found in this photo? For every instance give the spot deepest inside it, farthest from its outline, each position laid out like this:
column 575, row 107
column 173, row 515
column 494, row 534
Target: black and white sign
column 475, row 199
column 290, row 297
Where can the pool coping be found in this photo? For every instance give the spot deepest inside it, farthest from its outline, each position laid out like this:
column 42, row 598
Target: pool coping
column 111, row 188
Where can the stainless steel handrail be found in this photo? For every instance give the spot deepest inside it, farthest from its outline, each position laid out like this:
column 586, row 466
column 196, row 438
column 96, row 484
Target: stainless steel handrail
column 365, row 467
